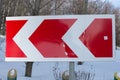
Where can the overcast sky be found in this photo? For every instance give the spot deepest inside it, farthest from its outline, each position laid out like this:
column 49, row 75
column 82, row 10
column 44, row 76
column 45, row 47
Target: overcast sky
column 116, row 3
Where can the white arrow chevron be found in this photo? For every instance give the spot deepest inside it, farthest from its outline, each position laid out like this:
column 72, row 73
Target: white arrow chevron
column 71, row 38
column 22, row 39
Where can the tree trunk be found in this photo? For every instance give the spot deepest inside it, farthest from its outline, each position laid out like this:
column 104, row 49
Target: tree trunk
column 1, row 1
column 28, row 69
column 86, row 4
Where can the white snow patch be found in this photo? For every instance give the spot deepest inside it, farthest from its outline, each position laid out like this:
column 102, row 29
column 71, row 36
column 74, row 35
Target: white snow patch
column 12, row 72
column 118, row 48
column 118, row 74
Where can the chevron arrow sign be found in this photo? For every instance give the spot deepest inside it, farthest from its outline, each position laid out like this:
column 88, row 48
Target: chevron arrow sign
column 60, row 38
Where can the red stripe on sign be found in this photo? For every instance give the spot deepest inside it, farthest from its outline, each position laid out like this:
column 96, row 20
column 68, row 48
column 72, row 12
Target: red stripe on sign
column 48, row 38
column 13, row 26
column 98, row 37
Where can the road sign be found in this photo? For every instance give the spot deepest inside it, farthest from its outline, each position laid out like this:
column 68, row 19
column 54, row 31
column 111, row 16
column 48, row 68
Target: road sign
column 60, row 38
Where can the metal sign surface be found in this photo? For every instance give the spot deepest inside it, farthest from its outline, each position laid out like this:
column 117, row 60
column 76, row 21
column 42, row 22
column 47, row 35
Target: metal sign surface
column 60, row 38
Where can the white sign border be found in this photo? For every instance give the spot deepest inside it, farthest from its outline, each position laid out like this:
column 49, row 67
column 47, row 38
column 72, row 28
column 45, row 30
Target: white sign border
column 79, row 17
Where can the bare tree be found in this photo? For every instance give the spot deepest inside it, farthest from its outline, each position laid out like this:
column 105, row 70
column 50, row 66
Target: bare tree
column 117, row 24
column 78, row 6
column 1, row 1
column 2, row 26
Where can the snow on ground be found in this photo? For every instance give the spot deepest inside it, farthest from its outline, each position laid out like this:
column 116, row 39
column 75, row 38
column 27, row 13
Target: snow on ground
column 44, row 70
column 103, row 70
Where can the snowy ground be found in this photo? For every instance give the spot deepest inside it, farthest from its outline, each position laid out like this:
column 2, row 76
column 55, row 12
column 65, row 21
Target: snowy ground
column 44, row 70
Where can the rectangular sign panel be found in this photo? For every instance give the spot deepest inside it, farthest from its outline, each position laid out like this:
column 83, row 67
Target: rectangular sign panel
column 60, row 38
